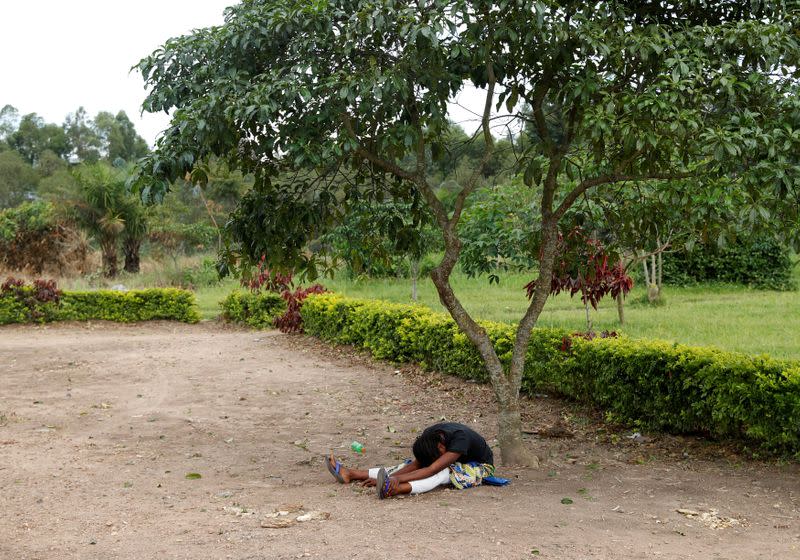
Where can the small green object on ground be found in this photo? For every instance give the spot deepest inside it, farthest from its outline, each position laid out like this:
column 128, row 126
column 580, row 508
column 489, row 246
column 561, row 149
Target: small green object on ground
column 357, row 447
column 567, row 501
column 193, row 476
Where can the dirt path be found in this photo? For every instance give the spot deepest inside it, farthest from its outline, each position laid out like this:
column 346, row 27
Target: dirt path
column 100, row 424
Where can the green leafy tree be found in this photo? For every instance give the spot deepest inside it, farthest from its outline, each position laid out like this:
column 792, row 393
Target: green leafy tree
column 18, row 180
column 60, row 187
column 118, row 137
column 382, row 239
column 496, row 231
column 33, row 137
column 50, row 164
column 642, row 91
column 9, row 121
column 82, row 136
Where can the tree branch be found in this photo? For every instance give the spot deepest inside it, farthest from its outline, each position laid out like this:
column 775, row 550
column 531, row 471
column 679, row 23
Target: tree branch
column 488, row 140
column 392, row 168
column 587, row 184
column 438, row 209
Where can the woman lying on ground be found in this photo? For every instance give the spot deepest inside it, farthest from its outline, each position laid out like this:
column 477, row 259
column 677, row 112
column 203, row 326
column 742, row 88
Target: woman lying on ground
column 446, row 453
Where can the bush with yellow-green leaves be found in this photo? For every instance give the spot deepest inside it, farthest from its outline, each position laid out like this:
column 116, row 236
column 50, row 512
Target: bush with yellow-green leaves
column 648, row 383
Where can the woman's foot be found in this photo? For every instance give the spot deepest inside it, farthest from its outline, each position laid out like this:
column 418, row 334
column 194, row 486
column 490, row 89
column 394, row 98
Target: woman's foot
column 339, row 471
column 383, row 484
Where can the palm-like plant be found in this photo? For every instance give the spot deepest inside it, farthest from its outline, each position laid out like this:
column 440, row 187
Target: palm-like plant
column 99, row 209
column 136, row 218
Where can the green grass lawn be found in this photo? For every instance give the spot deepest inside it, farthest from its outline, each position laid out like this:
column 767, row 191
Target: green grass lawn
column 208, row 298
column 728, row 317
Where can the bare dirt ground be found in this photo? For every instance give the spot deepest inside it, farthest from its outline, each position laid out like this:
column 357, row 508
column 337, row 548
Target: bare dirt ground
column 100, row 425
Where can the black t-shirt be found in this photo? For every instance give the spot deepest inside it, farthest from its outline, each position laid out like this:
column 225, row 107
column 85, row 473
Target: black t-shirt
column 465, row 441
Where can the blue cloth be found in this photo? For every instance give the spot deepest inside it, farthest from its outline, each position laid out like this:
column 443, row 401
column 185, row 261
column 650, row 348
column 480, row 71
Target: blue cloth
column 496, row 481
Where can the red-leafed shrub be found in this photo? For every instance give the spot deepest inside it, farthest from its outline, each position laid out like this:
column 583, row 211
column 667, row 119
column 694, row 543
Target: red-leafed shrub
column 11, row 285
column 292, row 321
column 32, row 300
column 266, row 279
column 272, row 281
column 582, row 266
column 46, row 291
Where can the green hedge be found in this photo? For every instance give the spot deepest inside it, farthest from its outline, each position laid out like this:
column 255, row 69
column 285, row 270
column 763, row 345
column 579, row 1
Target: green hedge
column 256, row 310
column 123, row 307
column 652, row 384
column 759, row 263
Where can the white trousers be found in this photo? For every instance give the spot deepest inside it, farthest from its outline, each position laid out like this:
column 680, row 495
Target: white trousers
column 442, row 478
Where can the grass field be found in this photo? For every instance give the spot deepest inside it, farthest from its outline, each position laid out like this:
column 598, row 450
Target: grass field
column 725, row 316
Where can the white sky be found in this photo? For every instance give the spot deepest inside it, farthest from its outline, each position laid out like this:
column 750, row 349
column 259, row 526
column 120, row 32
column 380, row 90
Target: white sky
column 58, row 55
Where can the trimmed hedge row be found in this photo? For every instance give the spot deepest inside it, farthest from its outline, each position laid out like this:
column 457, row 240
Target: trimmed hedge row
column 761, row 263
column 653, row 384
column 123, row 307
column 256, row 310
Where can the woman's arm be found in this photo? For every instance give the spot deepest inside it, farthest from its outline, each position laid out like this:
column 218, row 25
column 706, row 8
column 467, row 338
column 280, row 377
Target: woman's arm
column 412, row 466
column 447, row 459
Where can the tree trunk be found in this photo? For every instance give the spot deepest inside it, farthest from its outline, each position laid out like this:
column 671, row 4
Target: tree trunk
column 211, row 215
column 660, row 281
column 653, row 287
column 506, row 388
column 109, row 250
column 588, row 317
column 131, row 249
column 653, row 271
column 620, row 309
column 414, row 276
column 512, row 448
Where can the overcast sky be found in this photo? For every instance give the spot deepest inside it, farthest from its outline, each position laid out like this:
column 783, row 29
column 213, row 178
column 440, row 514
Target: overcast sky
column 58, row 55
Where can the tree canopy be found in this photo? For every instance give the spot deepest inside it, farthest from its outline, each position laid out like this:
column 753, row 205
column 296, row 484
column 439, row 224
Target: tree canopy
column 612, row 94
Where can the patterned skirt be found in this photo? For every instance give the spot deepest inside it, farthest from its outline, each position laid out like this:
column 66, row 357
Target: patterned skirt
column 462, row 475
column 467, row 475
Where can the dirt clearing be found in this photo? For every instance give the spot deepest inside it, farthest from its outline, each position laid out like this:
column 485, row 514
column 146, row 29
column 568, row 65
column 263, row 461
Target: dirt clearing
column 172, row 441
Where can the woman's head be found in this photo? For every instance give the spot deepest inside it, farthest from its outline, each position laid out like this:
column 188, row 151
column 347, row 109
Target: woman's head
column 428, row 447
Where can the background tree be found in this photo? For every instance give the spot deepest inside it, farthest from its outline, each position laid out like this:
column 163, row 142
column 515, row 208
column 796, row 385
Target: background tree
column 495, row 230
column 18, row 180
column 33, row 137
column 382, row 239
column 643, row 91
column 118, row 137
column 9, row 121
column 83, row 137
column 100, row 209
column 134, row 215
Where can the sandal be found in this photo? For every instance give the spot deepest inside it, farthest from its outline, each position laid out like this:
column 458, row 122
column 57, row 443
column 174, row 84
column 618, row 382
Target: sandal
column 382, row 485
column 334, row 470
